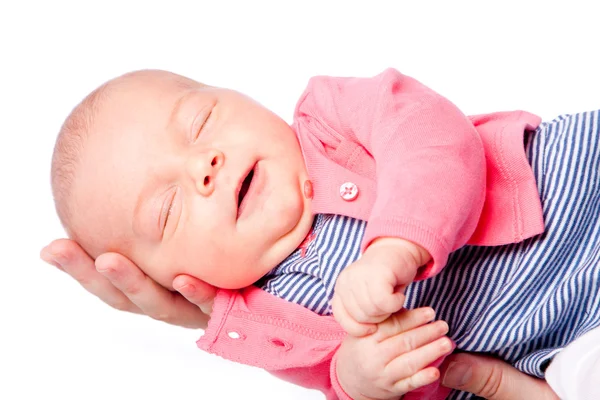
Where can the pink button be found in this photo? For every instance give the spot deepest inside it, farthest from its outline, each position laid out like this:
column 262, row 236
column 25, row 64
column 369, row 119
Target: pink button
column 348, row 191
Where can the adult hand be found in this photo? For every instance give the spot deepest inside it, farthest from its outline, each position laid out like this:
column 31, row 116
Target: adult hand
column 492, row 379
column 122, row 285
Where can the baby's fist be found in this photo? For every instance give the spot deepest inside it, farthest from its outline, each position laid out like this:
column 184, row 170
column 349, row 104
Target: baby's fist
column 364, row 296
column 372, row 288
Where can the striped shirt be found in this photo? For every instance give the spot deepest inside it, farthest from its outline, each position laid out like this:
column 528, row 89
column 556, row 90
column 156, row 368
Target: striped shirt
column 522, row 302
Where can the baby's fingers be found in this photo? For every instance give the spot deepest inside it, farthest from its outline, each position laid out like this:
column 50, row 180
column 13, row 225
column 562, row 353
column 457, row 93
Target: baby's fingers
column 348, row 323
column 382, row 302
column 411, row 341
column 404, row 321
column 422, row 378
column 403, row 367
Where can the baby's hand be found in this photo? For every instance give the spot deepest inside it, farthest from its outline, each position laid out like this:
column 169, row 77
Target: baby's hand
column 395, row 359
column 372, row 288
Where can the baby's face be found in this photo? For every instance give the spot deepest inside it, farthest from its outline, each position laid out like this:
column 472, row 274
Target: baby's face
column 200, row 181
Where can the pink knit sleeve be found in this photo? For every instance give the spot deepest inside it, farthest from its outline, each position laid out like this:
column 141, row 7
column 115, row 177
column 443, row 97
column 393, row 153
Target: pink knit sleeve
column 430, row 163
column 335, row 382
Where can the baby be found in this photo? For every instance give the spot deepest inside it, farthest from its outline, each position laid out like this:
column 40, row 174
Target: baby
column 374, row 185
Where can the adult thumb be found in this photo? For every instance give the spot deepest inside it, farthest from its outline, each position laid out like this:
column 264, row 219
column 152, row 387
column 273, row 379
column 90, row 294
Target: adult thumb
column 492, row 379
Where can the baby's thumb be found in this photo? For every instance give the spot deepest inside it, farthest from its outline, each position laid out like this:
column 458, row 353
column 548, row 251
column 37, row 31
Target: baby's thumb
column 349, row 324
column 398, row 301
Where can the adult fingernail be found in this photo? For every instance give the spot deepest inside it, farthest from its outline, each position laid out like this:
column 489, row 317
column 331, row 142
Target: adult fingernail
column 457, row 375
column 50, row 258
column 110, row 273
column 186, row 290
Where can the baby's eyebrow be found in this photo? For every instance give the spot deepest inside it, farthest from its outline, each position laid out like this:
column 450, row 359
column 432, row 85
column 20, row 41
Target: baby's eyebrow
column 176, row 110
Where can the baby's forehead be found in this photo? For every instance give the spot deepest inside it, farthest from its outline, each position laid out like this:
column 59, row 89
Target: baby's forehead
column 145, row 92
column 132, row 116
column 152, row 80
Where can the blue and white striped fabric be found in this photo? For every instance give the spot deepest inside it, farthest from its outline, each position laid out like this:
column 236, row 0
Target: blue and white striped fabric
column 307, row 277
column 522, row 302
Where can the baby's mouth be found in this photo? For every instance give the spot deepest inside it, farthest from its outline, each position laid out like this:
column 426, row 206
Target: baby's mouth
column 245, row 186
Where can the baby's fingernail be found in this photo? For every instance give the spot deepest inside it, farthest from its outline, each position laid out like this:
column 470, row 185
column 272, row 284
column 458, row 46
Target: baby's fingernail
column 444, row 328
column 429, row 313
column 457, row 375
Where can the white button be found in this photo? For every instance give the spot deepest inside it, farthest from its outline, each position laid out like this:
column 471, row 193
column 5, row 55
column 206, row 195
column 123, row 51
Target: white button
column 348, row 191
column 234, row 335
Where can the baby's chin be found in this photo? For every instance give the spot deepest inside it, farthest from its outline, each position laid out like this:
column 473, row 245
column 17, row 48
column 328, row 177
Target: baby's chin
column 234, row 280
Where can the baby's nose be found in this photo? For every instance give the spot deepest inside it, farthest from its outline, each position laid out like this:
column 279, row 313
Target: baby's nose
column 203, row 168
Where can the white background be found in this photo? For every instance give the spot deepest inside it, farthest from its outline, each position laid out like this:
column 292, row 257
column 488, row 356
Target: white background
column 56, row 341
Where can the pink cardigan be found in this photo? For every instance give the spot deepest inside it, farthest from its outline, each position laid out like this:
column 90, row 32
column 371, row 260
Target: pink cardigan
column 423, row 171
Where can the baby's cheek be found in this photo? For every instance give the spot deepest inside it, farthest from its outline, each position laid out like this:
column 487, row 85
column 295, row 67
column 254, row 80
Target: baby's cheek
column 164, row 275
column 289, row 206
column 161, row 269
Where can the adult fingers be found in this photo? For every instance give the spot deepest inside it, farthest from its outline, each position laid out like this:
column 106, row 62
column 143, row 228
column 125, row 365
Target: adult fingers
column 67, row 255
column 151, row 298
column 492, row 379
column 49, row 257
column 196, row 291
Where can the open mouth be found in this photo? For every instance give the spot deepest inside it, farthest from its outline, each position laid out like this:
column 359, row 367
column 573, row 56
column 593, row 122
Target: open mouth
column 245, row 186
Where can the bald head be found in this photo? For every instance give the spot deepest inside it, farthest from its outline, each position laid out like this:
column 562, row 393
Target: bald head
column 74, row 136
column 68, row 149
